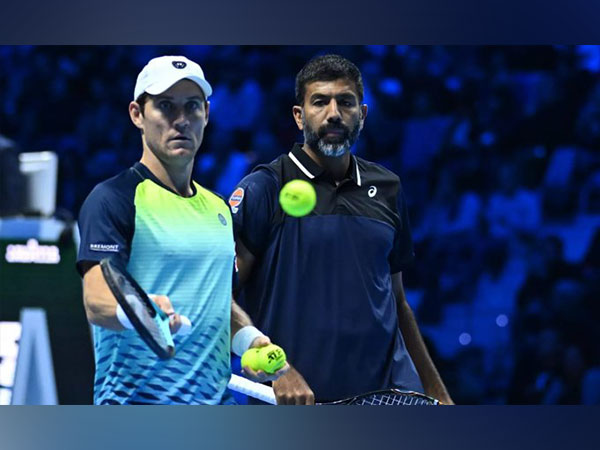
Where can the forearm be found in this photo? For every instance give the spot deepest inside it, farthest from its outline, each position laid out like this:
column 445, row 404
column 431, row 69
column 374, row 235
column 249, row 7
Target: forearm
column 245, row 261
column 99, row 302
column 239, row 318
column 430, row 377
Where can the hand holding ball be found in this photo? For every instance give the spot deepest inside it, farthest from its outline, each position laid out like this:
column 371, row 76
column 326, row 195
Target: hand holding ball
column 298, row 198
column 269, row 358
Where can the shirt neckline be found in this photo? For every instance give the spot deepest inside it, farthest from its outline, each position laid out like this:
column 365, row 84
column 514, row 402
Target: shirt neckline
column 312, row 170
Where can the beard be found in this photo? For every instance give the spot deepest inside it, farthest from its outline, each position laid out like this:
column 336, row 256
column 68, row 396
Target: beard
column 328, row 146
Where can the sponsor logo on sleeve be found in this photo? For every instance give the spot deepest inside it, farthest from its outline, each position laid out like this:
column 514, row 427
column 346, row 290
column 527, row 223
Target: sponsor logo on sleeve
column 236, row 199
column 114, row 248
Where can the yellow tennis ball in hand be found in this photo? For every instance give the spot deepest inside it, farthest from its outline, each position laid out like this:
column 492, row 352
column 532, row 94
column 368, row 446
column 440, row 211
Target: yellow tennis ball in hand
column 298, row 198
column 269, row 358
column 249, row 358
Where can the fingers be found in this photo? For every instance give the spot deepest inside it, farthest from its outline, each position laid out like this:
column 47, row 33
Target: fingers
column 262, row 376
column 296, row 397
column 174, row 323
column 260, row 341
column 285, row 369
column 287, row 392
column 259, row 376
column 298, row 394
column 164, row 303
column 292, row 389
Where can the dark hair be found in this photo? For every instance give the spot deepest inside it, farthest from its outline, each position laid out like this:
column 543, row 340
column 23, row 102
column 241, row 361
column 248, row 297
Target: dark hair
column 328, row 68
column 141, row 100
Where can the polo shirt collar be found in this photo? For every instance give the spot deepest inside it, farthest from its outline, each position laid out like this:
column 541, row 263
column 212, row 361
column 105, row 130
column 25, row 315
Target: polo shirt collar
column 312, row 170
column 144, row 172
column 355, row 171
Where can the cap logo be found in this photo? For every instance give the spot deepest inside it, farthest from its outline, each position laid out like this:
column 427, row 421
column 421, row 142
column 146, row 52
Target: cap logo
column 179, row 64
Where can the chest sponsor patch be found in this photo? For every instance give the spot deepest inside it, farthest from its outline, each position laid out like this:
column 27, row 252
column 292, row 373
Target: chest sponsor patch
column 104, row 248
column 236, row 199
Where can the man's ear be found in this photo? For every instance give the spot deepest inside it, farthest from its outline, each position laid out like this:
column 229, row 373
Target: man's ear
column 206, row 112
column 363, row 114
column 297, row 112
column 136, row 115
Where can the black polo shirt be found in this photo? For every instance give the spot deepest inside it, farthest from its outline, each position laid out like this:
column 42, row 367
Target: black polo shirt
column 321, row 284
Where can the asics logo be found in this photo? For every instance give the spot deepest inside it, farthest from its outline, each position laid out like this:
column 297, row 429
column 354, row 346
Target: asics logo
column 372, row 191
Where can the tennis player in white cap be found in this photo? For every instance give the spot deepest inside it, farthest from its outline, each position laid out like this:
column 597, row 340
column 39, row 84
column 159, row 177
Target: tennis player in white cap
column 175, row 238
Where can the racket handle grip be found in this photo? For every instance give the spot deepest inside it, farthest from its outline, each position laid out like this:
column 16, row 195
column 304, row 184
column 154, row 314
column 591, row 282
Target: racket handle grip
column 252, row 389
column 186, row 326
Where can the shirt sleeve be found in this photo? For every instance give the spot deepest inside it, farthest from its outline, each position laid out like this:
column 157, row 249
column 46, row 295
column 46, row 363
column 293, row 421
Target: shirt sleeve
column 106, row 223
column 402, row 254
column 252, row 204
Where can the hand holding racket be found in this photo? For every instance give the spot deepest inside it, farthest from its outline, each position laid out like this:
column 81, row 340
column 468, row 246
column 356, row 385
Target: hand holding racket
column 139, row 312
column 292, row 389
column 178, row 324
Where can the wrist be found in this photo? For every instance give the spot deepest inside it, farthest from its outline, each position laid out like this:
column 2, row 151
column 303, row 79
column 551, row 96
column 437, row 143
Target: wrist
column 242, row 340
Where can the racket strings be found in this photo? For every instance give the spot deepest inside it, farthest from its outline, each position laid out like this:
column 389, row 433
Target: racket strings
column 150, row 321
column 389, row 399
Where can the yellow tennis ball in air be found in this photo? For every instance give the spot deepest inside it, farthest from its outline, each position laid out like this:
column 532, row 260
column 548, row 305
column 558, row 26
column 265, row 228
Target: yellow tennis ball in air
column 269, row 358
column 298, row 198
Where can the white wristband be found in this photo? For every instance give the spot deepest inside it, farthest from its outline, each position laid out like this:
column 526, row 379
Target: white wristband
column 243, row 339
column 122, row 318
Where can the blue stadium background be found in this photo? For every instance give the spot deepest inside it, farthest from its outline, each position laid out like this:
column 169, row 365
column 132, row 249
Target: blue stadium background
column 497, row 148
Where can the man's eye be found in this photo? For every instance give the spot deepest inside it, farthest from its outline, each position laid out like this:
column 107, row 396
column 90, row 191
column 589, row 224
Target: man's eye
column 165, row 105
column 192, row 106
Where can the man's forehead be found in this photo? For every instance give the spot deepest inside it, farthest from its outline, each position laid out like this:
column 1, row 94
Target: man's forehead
column 332, row 87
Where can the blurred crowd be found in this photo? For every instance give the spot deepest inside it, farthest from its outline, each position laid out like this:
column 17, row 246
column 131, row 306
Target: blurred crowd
column 497, row 149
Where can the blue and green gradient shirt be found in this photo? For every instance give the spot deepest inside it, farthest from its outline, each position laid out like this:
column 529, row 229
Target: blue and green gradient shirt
column 177, row 246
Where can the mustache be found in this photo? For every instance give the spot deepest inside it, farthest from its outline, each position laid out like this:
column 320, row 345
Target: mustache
column 333, row 127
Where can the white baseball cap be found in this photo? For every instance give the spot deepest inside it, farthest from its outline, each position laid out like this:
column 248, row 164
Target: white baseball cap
column 163, row 72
